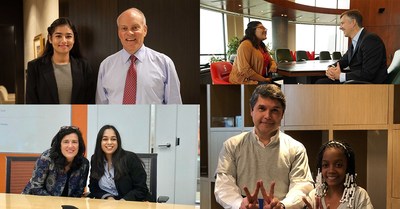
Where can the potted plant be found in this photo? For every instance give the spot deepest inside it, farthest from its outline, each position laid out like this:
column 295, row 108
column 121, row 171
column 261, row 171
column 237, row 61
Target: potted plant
column 233, row 45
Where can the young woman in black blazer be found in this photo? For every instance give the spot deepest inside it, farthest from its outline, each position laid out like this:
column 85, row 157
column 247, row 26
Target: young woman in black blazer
column 60, row 75
column 116, row 173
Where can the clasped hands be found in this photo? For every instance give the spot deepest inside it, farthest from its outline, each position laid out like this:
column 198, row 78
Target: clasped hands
column 333, row 72
column 251, row 200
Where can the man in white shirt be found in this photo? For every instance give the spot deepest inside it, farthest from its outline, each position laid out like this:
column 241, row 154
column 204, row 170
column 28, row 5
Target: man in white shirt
column 265, row 154
column 156, row 79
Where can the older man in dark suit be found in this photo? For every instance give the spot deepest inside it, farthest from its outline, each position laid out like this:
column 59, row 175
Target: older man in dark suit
column 365, row 60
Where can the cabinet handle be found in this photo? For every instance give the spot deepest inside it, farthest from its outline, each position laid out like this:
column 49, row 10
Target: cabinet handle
column 167, row 145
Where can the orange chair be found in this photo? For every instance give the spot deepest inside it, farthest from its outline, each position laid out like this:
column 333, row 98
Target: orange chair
column 220, row 72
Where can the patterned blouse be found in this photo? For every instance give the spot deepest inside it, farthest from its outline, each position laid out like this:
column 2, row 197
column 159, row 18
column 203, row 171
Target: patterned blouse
column 47, row 180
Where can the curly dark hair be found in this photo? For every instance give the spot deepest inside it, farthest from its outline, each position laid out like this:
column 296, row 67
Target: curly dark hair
column 55, row 150
column 119, row 159
column 49, row 50
column 346, row 149
column 250, row 34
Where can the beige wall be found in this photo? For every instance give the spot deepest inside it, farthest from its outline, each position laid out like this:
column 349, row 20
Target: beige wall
column 234, row 26
column 292, row 36
column 38, row 15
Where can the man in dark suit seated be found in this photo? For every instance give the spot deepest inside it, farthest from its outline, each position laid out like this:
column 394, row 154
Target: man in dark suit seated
column 365, row 58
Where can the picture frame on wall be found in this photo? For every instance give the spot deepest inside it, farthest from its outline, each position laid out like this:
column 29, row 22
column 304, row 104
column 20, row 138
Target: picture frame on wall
column 38, row 46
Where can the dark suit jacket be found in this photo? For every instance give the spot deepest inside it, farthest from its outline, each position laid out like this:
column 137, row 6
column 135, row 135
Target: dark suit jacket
column 368, row 62
column 131, row 187
column 41, row 85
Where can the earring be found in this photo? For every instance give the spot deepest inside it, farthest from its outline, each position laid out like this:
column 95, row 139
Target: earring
column 320, row 185
column 349, row 189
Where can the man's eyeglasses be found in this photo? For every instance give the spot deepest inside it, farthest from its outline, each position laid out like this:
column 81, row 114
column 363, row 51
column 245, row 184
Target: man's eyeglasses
column 69, row 127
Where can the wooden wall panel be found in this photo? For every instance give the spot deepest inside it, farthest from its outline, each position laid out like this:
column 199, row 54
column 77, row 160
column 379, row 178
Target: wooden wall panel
column 396, row 163
column 394, row 12
column 363, row 6
column 374, row 17
column 305, row 103
column 360, row 104
column 395, row 203
column 173, row 29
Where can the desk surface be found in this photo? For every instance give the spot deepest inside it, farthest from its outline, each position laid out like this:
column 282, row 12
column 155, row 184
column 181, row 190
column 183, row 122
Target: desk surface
column 304, row 68
column 14, row 201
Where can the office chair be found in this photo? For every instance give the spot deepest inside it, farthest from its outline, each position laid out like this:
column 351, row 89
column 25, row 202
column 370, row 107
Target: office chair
column 336, row 55
column 220, row 72
column 301, row 55
column 311, row 55
column 18, row 173
column 283, row 55
column 150, row 166
column 393, row 72
column 324, row 55
column 5, row 97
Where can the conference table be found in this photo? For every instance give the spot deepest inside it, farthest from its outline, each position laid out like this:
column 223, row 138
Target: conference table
column 20, row 201
column 302, row 71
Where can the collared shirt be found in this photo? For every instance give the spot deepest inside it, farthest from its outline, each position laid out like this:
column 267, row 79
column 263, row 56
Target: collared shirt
column 157, row 80
column 272, row 139
column 354, row 44
column 107, row 182
column 355, row 38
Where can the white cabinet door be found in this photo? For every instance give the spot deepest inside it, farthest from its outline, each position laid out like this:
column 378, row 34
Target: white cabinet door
column 176, row 140
column 186, row 154
column 164, row 146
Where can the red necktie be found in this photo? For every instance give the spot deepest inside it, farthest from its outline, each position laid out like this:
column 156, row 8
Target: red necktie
column 130, row 83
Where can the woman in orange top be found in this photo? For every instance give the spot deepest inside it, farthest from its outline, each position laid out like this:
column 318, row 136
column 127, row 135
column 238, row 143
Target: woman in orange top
column 253, row 61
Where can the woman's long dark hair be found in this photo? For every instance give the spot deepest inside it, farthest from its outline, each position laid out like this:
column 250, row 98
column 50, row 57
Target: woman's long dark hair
column 119, row 159
column 250, row 34
column 49, row 50
column 55, row 151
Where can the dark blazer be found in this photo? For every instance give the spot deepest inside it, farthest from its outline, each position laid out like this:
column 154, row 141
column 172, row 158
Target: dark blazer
column 131, row 187
column 41, row 85
column 368, row 62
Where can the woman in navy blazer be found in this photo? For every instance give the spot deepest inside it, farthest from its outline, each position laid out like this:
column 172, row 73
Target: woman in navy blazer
column 60, row 75
column 116, row 173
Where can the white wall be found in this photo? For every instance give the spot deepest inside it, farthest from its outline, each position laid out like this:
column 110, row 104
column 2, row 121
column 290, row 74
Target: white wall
column 30, row 128
column 38, row 15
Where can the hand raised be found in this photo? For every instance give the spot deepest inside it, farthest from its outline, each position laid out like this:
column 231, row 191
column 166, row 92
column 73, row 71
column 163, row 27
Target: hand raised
column 270, row 201
column 251, row 200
